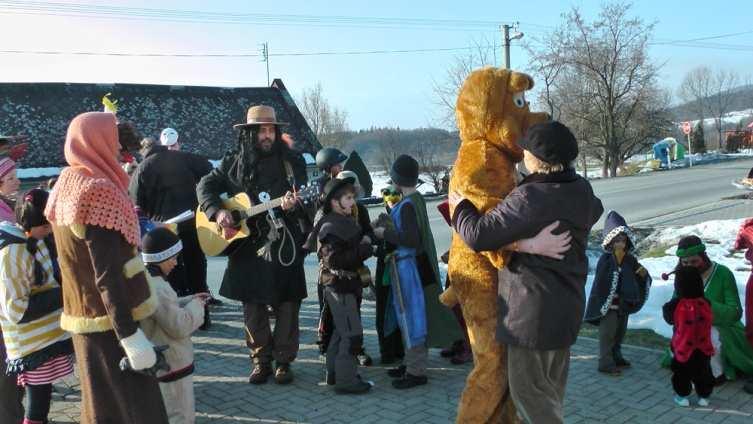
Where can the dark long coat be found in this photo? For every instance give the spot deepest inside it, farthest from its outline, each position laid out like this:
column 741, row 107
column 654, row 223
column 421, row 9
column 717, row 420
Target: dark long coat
column 250, row 278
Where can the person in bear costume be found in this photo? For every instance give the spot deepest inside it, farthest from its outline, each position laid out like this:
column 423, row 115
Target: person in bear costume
column 492, row 115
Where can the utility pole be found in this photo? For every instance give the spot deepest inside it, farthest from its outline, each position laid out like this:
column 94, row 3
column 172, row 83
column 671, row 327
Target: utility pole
column 506, row 38
column 265, row 57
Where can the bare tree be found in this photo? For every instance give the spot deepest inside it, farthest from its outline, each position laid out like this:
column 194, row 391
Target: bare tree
column 604, row 80
column 722, row 96
column 390, row 146
column 695, row 91
column 429, row 164
column 481, row 53
column 327, row 122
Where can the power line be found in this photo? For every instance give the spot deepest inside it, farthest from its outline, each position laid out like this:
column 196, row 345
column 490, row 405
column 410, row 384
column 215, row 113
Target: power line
column 239, row 55
column 173, row 15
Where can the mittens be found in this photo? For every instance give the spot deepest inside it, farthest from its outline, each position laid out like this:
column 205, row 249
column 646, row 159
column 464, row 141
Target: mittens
column 139, row 350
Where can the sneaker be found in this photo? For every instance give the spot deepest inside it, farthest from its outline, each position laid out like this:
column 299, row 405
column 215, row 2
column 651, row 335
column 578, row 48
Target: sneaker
column 681, row 401
column 398, row 372
column 260, row 374
column 704, row 402
column 612, row 371
column 364, row 360
column 409, row 381
column 357, row 388
column 283, row 374
column 622, row 363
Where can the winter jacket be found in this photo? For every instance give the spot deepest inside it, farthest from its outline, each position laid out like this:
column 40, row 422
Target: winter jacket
column 541, row 300
column 164, row 184
column 617, row 284
column 29, row 310
column 105, row 283
column 341, row 253
column 171, row 325
column 249, row 277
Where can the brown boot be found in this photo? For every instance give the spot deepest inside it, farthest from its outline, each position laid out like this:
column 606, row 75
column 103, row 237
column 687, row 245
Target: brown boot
column 283, row 374
column 260, row 374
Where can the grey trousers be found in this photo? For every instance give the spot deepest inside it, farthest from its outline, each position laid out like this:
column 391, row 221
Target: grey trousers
column 280, row 345
column 416, row 359
column 612, row 329
column 537, row 380
column 347, row 337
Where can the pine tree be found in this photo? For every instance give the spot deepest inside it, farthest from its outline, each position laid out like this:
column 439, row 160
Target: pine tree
column 697, row 140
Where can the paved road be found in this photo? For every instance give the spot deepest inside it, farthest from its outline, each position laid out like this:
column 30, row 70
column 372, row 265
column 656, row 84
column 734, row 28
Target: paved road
column 681, row 196
column 223, row 396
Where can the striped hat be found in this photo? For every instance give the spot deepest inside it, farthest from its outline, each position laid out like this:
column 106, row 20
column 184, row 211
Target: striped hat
column 6, row 166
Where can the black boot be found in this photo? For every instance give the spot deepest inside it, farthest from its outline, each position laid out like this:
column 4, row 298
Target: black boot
column 260, row 374
column 409, row 381
column 398, row 372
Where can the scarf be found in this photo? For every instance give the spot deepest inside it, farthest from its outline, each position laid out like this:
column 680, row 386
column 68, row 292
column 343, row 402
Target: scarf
column 93, row 190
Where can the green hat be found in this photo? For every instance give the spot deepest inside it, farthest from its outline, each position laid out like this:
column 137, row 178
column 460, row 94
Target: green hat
column 690, row 246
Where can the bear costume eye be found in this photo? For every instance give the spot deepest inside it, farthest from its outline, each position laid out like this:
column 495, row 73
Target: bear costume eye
column 519, row 99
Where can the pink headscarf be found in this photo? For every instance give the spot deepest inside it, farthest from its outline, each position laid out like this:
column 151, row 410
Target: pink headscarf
column 93, row 190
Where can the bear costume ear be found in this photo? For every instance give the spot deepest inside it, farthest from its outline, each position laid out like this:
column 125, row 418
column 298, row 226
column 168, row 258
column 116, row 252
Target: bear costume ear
column 520, row 82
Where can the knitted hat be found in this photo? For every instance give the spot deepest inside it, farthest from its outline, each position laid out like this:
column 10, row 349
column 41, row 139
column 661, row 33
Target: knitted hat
column 404, row 172
column 6, row 166
column 159, row 245
column 615, row 225
column 690, row 246
column 551, row 142
column 688, row 283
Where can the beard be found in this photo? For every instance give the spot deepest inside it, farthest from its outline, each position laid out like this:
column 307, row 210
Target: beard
column 265, row 145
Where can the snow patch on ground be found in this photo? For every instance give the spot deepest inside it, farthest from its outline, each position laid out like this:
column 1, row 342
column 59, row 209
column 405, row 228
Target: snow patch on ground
column 729, row 118
column 719, row 237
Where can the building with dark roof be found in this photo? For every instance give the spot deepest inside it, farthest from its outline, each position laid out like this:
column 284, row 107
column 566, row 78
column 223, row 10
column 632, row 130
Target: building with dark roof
column 203, row 116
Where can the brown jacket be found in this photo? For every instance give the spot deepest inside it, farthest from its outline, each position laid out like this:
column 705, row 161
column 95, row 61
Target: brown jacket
column 105, row 286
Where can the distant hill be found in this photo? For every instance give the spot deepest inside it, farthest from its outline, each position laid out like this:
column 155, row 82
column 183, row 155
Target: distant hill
column 742, row 100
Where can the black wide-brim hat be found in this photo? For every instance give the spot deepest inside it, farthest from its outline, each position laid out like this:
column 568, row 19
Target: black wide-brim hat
column 551, row 142
column 404, row 172
column 334, row 185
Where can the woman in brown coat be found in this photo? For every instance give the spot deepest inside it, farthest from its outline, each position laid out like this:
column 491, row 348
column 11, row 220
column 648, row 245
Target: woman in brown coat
column 105, row 291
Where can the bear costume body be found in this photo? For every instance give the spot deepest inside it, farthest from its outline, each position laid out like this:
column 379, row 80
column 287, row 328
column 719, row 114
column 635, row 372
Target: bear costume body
column 492, row 114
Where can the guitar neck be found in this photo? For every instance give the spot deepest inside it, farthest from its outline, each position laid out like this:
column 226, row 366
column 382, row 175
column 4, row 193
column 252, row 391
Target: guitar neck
column 263, row 207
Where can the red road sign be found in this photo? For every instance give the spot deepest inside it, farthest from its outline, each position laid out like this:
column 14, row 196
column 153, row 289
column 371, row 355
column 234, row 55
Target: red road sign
column 686, row 128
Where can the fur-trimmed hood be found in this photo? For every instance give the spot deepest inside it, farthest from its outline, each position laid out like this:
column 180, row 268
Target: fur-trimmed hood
column 615, row 225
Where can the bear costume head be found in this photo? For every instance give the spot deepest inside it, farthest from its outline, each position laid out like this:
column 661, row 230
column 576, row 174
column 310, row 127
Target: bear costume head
column 492, row 106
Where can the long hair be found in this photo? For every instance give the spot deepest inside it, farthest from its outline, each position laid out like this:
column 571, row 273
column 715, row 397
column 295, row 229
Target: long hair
column 248, row 139
column 30, row 214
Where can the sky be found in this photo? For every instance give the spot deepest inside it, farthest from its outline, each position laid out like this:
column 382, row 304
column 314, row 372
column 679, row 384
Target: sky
column 394, row 89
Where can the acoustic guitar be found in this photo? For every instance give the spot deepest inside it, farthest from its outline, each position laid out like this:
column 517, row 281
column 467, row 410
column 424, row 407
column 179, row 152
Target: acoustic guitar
column 253, row 223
